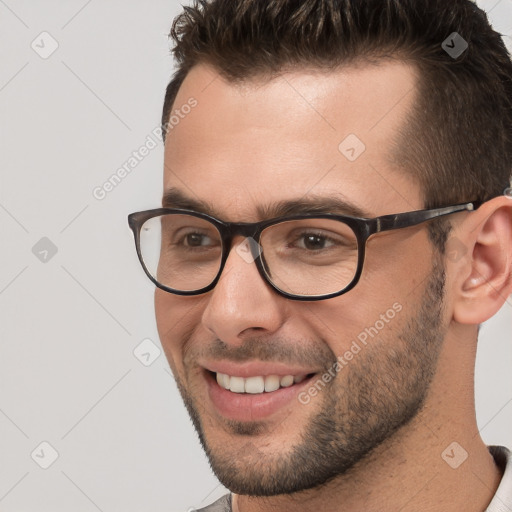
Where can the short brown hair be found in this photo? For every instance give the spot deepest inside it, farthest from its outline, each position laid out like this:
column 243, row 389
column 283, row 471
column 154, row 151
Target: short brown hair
column 458, row 139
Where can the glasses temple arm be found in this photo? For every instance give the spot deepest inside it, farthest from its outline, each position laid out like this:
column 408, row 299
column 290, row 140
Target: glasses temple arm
column 404, row 220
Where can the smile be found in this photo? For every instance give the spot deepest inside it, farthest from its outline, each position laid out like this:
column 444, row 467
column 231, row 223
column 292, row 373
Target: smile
column 257, row 384
column 254, row 391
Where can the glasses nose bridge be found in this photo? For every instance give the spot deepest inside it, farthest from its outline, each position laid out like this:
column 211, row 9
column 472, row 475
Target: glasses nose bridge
column 245, row 229
column 251, row 233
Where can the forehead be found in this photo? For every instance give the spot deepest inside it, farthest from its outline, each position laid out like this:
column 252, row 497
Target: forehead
column 245, row 145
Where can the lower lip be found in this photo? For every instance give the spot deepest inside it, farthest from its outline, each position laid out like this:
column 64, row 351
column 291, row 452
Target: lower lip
column 249, row 407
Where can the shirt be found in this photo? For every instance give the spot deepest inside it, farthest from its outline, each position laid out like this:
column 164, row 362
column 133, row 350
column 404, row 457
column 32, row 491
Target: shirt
column 501, row 502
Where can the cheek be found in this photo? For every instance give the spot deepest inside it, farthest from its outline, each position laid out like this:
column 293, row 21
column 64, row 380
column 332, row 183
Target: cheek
column 396, row 263
column 388, row 290
column 340, row 321
column 176, row 318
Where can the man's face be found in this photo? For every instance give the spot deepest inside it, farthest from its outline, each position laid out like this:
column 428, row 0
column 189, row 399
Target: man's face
column 361, row 362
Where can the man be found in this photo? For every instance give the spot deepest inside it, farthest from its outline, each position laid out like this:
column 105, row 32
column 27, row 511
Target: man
column 334, row 229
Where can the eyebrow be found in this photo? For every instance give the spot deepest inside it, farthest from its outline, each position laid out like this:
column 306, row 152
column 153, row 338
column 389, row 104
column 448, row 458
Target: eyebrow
column 175, row 198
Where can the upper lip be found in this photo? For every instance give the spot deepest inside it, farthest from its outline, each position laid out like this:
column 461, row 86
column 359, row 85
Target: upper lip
column 255, row 369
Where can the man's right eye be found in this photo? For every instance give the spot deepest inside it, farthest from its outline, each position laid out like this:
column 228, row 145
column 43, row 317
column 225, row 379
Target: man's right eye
column 197, row 240
column 192, row 240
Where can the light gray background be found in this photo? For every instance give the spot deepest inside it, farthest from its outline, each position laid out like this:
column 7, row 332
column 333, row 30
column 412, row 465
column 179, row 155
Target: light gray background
column 69, row 326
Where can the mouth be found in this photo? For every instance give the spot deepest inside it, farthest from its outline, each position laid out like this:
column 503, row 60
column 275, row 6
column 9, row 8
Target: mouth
column 257, row 384
column 256, row 397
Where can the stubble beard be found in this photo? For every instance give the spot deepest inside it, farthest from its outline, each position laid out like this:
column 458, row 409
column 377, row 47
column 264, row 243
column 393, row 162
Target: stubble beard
column 381, row 391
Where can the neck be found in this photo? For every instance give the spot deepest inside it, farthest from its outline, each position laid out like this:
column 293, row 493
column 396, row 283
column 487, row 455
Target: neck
column 409, row 473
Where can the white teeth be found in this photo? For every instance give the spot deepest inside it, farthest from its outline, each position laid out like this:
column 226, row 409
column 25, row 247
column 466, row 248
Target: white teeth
column 237, row 384
column 286, row 381
column 223, row 380
column 256, row 385
column 272, row 383
column 227, row 379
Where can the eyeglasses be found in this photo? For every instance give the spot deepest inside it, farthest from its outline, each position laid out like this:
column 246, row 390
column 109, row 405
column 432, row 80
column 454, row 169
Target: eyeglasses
column 303, row 257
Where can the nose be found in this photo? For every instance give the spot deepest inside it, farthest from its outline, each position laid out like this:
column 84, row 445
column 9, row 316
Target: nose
column 242, row 304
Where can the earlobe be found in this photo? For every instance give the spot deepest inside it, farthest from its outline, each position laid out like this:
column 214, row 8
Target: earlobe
column 487, row 279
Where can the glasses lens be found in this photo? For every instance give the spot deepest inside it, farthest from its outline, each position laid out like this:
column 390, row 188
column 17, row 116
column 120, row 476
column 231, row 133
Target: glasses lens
column 181, row 252
column 310, row 257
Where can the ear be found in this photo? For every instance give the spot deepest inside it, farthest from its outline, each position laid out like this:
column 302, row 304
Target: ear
column 484, row 279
